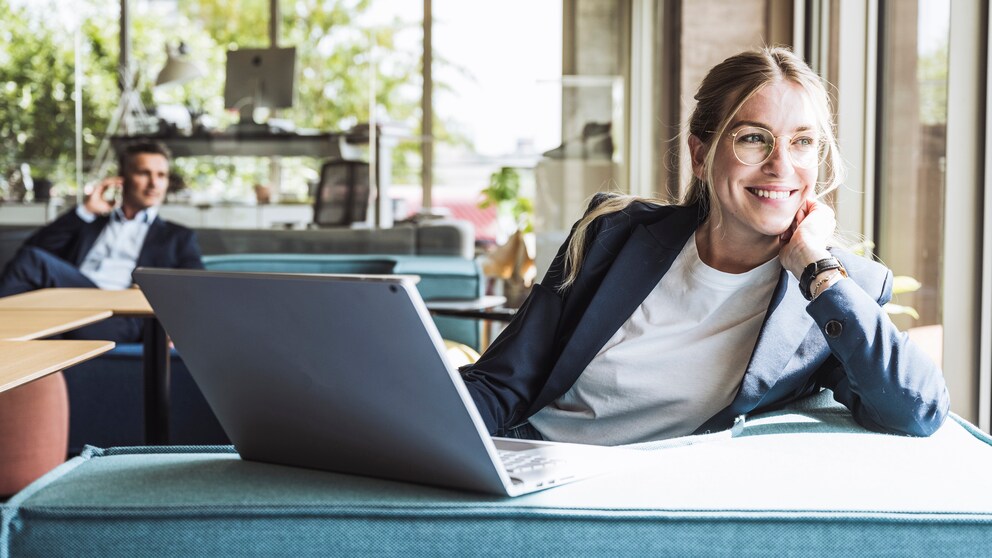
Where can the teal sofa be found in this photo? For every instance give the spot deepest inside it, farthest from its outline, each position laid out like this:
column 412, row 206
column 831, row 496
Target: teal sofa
column 106, row 405
column 805, row 481
column 441, row 277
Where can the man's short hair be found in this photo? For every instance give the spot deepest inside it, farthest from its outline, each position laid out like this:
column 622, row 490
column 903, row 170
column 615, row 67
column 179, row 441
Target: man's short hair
column 141, row 147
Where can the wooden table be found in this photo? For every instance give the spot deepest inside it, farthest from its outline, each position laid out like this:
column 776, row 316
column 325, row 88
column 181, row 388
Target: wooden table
column 23, row 361
column 19, row 324
column 128, row 302
column 125, row 303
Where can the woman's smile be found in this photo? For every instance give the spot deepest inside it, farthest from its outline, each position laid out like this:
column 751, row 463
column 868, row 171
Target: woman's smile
column 771, row 194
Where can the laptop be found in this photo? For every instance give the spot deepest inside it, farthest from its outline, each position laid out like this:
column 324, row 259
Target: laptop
column 348, row 374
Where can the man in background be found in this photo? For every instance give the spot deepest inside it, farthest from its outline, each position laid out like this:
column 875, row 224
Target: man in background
column 99, row 243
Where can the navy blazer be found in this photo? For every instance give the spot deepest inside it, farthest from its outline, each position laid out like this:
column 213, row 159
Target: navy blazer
column 843, row 340
column 166, row 245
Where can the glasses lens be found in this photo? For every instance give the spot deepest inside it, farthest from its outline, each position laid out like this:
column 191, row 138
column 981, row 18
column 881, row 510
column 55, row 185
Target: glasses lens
column 805, row 150
column 753, row 145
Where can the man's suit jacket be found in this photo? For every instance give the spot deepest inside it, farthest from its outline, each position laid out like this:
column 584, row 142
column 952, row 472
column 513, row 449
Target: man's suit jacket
column 843, row 340
column 166, row 245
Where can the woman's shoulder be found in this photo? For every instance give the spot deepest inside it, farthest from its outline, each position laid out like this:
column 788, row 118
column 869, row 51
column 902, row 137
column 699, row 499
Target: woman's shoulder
column 630, row 208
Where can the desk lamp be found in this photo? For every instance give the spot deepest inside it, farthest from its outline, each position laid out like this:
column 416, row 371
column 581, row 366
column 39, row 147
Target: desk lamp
column 178, row 67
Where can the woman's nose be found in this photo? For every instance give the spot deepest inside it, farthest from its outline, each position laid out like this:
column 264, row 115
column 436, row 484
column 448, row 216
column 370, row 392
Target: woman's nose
column 779, row 162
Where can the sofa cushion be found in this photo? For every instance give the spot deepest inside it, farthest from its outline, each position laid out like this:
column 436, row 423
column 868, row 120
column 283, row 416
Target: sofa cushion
column 803, row 481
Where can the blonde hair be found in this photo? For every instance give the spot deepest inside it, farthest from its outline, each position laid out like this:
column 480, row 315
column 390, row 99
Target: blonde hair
column 722, row 93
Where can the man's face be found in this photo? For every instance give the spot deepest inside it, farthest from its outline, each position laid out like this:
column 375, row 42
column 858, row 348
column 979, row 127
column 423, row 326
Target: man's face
column 146, row 179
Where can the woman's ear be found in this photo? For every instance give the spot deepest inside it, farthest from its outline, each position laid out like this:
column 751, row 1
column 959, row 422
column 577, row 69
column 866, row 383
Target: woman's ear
column 697, row 152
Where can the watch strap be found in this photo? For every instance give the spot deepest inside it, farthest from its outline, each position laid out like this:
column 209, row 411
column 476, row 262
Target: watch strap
column 812, row 270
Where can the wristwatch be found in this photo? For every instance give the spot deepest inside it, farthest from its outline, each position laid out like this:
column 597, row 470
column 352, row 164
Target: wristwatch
column 814, row 269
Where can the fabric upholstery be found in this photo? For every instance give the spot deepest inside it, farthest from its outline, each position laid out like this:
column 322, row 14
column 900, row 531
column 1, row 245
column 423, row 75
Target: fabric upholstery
column 805, row 481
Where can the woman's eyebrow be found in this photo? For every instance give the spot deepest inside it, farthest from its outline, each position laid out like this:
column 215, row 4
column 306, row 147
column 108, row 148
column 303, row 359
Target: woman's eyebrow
column 801, row 128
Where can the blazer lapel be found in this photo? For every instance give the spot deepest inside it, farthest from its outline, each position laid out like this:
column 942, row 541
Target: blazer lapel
column 642, row 262
column 154, row 241
column 786, row 326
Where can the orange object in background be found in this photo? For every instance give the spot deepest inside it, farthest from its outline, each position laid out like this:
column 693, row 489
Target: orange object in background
column 34, row 431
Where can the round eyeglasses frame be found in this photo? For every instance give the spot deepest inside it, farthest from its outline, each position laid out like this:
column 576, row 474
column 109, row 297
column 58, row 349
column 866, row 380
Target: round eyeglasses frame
column 792, row 155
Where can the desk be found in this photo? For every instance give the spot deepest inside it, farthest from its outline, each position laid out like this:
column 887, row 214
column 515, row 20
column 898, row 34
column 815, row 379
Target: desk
column 127, row 302
column 323, row 145
column 24, row 361
column 22, row 324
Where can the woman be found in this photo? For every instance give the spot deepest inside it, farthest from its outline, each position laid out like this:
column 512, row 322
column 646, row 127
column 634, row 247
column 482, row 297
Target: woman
column 656, row 321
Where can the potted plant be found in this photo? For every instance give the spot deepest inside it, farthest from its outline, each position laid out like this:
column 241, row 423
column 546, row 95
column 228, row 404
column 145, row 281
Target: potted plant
column 512, row 261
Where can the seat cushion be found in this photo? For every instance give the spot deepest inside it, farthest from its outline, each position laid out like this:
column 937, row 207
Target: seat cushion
column 806, row 481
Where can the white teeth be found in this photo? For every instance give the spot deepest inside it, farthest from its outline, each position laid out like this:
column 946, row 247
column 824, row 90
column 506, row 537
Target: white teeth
column 771, row 194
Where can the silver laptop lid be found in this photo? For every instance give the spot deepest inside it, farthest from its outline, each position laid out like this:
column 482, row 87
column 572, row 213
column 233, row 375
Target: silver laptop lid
column 342, row 373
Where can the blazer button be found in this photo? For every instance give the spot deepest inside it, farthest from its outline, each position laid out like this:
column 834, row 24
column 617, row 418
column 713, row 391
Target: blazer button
column 833, row 328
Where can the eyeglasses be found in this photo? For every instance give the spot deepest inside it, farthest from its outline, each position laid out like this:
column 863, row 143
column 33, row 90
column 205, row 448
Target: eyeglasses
column 753, row 145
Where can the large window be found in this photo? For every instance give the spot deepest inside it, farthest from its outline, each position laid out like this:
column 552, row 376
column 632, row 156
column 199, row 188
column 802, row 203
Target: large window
column 57, row 92
column 911, row 151
column 497, row 102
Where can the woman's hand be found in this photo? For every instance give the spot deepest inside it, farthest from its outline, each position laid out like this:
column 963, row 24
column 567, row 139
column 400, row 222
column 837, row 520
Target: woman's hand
column 806, row 240
column 100, row 200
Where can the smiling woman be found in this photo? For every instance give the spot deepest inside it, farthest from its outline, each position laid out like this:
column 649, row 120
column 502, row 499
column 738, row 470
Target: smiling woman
column 657, row 321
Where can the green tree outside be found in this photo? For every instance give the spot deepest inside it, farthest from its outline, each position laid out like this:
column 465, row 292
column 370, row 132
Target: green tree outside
column 37, row 122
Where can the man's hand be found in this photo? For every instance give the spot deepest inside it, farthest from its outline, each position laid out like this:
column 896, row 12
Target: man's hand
column 806, row 241
column 101, row 199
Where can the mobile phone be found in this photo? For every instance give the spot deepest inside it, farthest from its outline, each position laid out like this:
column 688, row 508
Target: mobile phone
column 113, row 195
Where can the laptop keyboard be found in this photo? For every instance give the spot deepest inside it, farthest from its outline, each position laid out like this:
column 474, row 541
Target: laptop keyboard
column 522, row 461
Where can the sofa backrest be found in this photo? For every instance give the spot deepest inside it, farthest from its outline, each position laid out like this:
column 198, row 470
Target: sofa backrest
column 441, row 277
column 431, row 238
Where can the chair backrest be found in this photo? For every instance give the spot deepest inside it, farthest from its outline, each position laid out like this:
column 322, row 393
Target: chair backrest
column 342, row 196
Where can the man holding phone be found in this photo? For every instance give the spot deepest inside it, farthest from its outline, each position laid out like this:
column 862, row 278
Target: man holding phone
column 99, row 243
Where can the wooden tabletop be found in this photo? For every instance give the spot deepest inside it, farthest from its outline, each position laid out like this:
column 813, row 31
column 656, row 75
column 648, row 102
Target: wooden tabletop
column 23, row 361
column 17, row 324
column 127, row 302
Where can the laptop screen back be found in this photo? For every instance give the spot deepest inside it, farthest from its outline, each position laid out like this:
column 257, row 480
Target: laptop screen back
column 337, row 373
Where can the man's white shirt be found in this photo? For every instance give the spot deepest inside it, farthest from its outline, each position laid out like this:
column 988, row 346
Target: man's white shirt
column 114, row 255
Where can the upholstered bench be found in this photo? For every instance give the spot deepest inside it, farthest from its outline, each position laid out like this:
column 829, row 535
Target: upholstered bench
column 806, row 481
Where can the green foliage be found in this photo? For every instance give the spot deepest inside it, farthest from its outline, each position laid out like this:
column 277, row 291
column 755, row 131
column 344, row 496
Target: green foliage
column 334, row 54
column 931, row 74
column 37, row 83
column 504, row 193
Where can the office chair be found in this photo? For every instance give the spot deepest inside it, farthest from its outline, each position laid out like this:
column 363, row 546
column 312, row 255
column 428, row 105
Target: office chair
column 342, row 195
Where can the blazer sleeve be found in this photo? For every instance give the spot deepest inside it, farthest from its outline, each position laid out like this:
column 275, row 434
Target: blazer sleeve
column 888, row 383
column 512, row 372
column 59, row 236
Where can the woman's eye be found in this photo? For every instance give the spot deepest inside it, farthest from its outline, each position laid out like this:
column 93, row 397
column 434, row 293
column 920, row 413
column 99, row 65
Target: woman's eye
column 753, row 138
column 804, row 141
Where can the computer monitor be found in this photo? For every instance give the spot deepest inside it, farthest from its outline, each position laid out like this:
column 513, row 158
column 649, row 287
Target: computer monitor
column 259, row 78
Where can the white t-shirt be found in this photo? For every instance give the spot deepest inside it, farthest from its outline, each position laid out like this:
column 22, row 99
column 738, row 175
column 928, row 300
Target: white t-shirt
column 677, row 361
